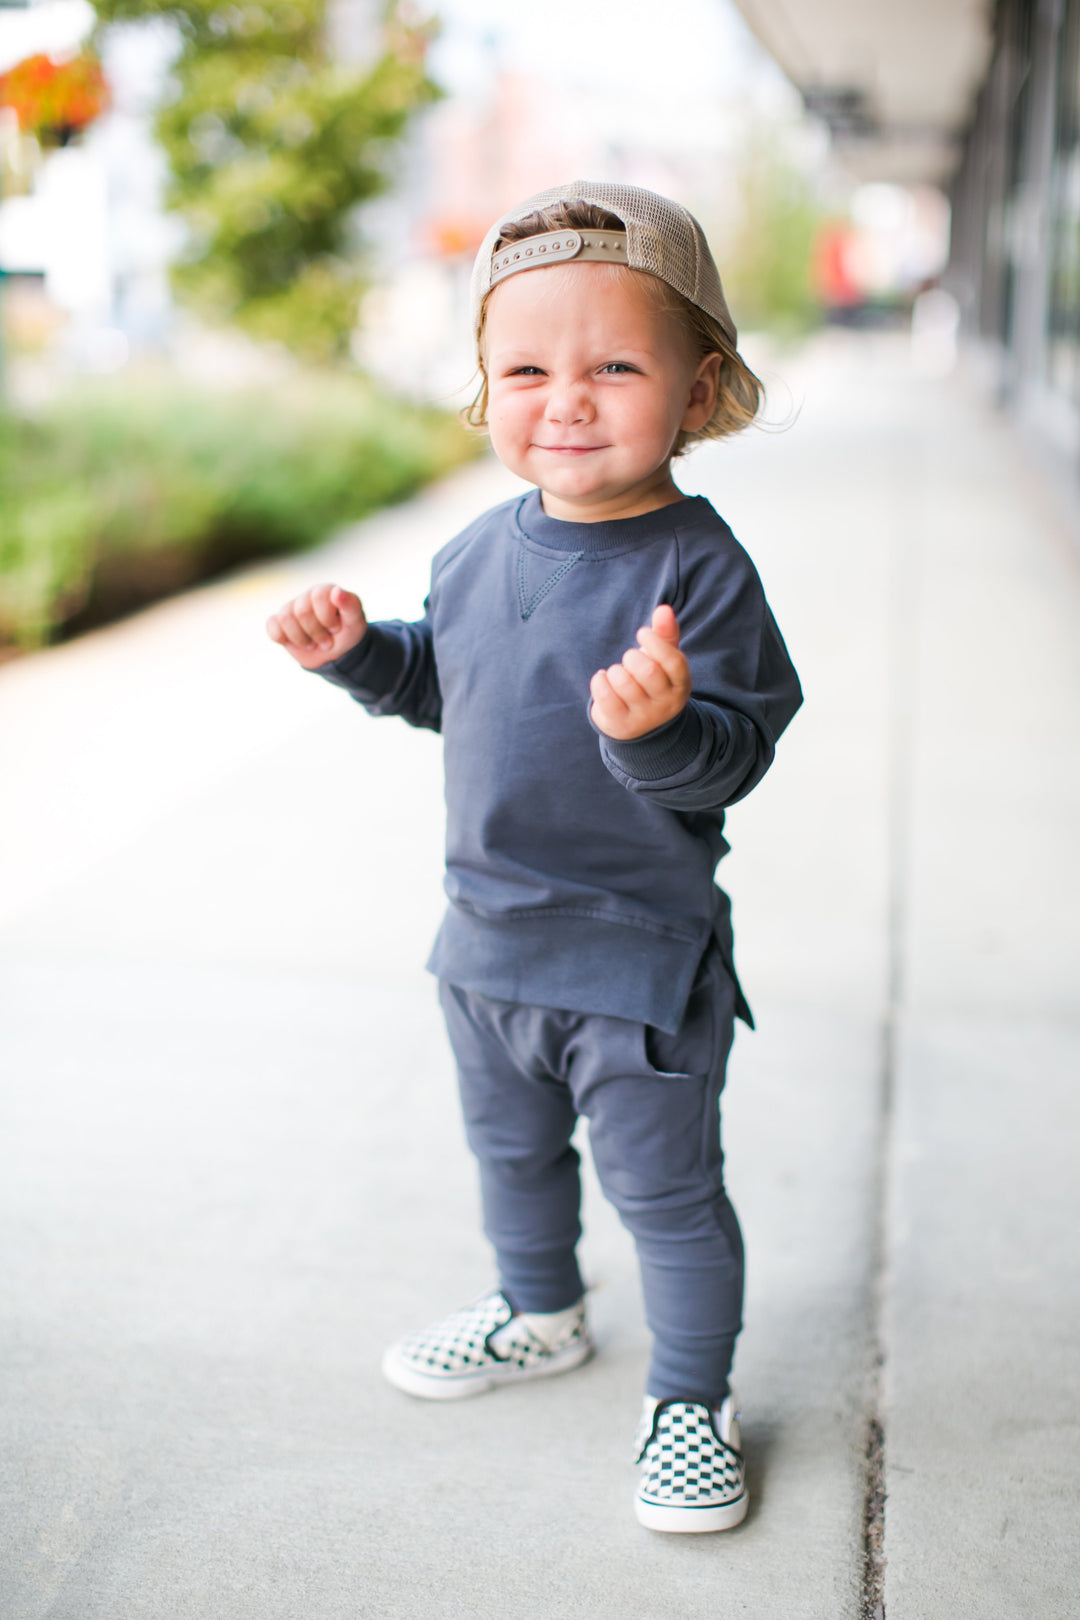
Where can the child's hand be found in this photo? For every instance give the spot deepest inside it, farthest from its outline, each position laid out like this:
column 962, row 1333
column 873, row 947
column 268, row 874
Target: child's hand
column 649, row 687
column 318, row 625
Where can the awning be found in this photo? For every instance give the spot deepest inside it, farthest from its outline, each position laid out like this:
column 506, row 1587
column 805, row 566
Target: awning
column 896, row 83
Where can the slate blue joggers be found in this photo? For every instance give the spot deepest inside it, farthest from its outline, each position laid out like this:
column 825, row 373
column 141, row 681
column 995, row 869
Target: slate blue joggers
column 652, row 1102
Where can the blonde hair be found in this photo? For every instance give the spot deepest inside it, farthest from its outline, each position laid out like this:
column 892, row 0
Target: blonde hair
column 740, row 395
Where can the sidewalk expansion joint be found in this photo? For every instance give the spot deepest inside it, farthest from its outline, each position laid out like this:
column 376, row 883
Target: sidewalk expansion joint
column 904, row 599
column 872, row 1584
column 873, row 1527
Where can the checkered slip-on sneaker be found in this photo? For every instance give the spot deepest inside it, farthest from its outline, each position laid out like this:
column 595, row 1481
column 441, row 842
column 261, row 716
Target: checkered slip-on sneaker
column 480, row 1347
column 692, row 1475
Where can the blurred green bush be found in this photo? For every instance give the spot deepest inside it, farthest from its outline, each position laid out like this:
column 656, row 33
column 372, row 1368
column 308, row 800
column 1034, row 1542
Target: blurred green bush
column 767, row 265
column 118, row 494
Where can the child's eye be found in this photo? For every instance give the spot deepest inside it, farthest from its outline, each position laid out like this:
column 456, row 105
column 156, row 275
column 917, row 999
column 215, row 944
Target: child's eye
column 526, row 371
column 617, row 368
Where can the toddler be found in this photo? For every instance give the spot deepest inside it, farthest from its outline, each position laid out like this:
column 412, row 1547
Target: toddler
column 607, row 676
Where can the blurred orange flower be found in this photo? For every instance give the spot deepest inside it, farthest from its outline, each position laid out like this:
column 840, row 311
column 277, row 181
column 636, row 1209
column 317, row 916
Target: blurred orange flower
column 55, row 100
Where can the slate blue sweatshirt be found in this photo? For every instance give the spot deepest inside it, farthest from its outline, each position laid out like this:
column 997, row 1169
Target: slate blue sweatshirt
column 580, row 870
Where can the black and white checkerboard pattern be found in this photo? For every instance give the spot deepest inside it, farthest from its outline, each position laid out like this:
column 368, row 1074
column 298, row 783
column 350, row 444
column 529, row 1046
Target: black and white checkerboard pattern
column 460, row 1343
column 684, row 1461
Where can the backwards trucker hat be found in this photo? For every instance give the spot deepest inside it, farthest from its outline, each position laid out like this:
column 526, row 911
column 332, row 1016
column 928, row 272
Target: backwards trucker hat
column 658, row 237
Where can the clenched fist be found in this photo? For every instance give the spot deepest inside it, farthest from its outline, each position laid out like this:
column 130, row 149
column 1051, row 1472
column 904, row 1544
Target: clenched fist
column 649, row 687
column 319, row 625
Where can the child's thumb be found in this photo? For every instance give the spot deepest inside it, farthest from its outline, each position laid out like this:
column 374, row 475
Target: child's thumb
column 665, row 623
column 346, row 602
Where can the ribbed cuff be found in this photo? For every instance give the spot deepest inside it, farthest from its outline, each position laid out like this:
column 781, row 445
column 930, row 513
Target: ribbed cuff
column 353, row 661
column 660, row 753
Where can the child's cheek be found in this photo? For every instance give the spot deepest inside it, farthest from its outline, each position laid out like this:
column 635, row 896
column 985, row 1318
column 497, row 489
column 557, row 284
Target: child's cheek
column 509, row 439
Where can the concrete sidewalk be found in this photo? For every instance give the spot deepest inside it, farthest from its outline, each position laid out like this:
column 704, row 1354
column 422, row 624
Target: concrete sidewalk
column 232, row 1167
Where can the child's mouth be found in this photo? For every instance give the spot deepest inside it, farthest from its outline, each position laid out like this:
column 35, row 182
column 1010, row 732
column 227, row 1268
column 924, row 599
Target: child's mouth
column 571, row 449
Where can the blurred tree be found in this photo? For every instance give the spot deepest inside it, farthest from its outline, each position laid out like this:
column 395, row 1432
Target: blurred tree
column 272, row 146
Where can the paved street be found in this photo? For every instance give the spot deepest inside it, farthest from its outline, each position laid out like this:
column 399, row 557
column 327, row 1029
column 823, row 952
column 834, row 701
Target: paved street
column 231, row 1167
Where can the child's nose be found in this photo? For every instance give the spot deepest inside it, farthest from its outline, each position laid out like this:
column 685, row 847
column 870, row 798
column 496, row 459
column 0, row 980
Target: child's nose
column 569, row 402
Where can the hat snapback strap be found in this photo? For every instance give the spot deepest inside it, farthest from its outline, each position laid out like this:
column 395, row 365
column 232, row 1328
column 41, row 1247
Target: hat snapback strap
column 558, row 247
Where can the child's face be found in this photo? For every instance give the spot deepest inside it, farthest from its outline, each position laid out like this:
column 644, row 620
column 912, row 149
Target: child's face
column 589, row 382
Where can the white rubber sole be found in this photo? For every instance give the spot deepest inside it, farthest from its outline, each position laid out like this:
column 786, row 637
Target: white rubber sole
column 458, row 1386
column 691, row 1520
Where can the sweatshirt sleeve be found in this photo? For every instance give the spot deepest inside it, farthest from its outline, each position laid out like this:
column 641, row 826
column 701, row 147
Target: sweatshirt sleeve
column 392, row 671
column 745, row 691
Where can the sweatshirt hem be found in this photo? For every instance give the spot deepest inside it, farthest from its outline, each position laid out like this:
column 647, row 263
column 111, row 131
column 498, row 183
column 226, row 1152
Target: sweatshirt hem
column 573, row 960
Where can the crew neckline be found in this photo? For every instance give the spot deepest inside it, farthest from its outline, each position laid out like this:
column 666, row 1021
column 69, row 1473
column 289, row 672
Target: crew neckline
column 613, row 534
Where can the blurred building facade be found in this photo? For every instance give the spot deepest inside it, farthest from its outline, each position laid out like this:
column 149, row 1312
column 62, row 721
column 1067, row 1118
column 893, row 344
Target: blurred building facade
column 85, row 243
column 981, row 97
column 1016, row 206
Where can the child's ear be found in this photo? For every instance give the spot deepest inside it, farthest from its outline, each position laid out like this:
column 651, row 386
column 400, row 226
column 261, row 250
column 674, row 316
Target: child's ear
column 703, row 392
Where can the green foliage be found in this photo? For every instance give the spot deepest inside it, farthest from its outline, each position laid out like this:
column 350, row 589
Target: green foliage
column 119, row 494
column 767, row 269
column 272, row 148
